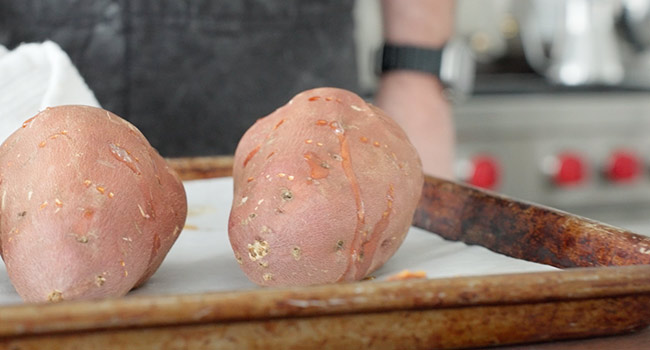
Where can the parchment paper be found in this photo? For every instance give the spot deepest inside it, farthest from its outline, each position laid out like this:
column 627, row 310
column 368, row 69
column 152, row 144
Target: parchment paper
column 202, row 261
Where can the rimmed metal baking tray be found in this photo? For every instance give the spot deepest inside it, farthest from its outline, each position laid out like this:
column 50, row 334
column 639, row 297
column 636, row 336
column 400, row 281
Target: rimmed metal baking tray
column 603, row 289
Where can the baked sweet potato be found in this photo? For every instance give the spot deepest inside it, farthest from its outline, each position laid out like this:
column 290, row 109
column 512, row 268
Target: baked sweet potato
column 88, row 208
column 325, row 189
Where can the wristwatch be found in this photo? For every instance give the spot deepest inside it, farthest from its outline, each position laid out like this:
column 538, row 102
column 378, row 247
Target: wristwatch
column 453, row 64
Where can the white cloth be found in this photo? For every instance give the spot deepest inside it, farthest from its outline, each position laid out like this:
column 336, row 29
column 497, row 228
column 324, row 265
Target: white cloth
column 35, row 76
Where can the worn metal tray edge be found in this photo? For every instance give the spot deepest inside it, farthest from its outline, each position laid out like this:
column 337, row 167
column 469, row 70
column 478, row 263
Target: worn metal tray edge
column 435, row 313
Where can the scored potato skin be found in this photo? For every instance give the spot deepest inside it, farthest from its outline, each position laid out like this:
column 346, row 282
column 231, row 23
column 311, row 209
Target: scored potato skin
column 325, row 189
column 88, row 208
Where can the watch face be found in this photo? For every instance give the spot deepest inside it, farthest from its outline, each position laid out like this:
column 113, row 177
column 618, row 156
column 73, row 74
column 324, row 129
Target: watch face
column 457, row 69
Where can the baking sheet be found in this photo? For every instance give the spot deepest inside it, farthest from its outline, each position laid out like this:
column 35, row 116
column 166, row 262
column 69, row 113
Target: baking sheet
column 202, row 261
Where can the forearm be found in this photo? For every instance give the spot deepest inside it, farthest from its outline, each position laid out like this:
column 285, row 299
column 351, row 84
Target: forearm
column 415, row 100
column 427, row 23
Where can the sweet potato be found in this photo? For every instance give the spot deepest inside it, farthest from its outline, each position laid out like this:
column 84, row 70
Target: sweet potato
column 88, row 208
column 325, row 189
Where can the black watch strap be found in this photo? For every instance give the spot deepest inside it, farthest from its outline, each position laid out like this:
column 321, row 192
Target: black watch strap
column 402, row 57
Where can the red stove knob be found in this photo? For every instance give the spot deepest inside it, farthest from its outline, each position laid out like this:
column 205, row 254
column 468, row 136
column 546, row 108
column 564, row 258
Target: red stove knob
column 568, row 169
column 485, row 172
column 623, row 166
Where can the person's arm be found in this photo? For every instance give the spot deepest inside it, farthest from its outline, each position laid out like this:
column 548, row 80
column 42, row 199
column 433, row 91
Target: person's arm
column 415, row 99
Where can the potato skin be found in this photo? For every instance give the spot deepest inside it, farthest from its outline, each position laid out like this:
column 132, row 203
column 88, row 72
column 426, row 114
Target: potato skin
column 88, row 208
column 325, row 189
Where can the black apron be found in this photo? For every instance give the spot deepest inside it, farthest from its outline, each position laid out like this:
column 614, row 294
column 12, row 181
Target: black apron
column 193, row 75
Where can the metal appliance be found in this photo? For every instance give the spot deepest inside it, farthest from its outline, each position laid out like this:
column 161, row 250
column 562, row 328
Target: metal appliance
column 583, row 152
column 561, row 111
